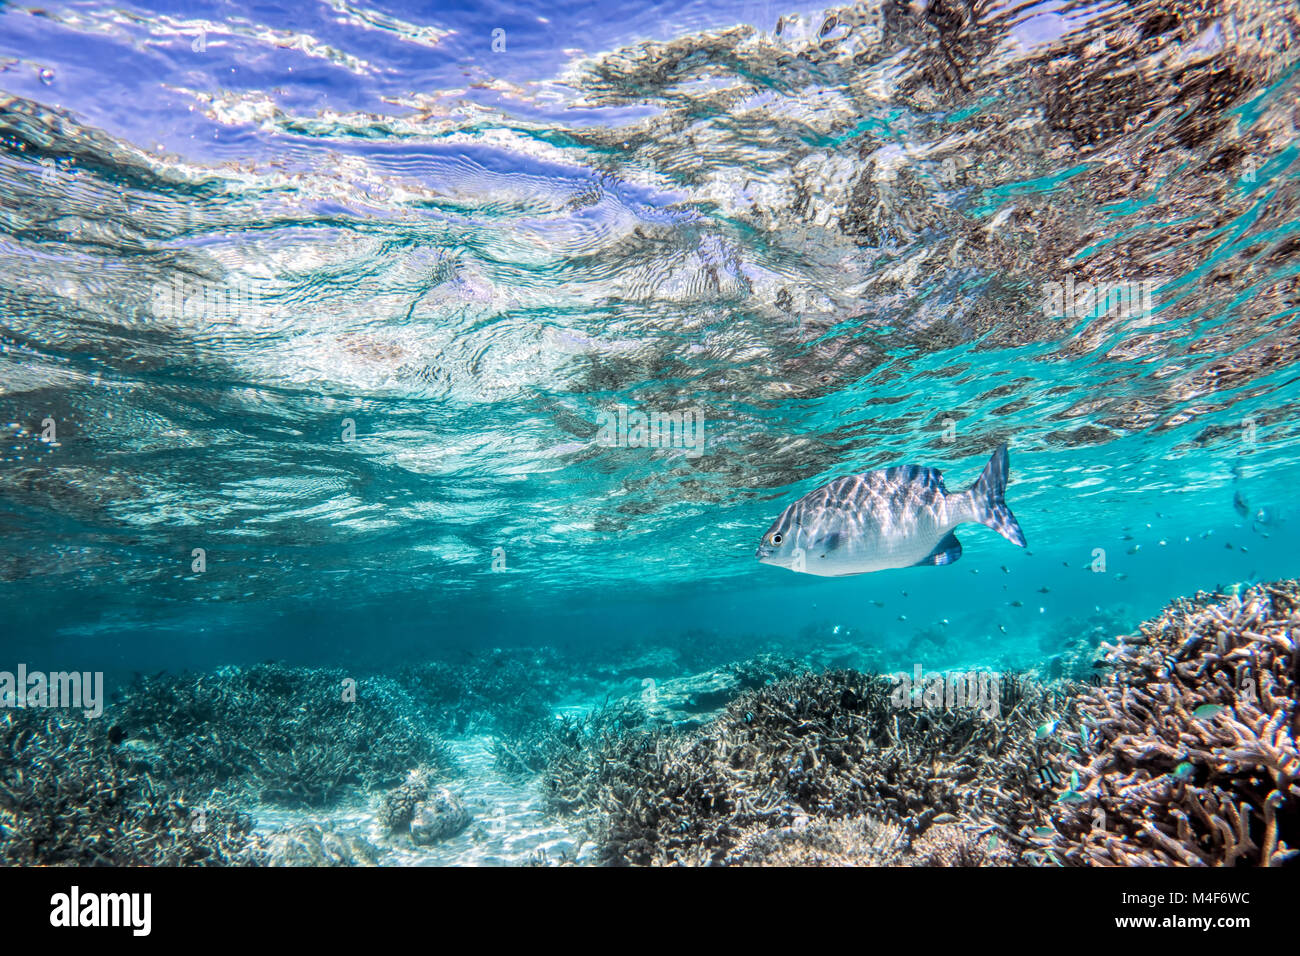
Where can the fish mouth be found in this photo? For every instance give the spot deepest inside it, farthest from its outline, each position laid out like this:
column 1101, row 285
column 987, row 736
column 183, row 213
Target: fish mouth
column 763, row 553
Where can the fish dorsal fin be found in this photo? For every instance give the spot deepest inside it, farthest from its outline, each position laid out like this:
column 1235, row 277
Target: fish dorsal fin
column 946, row 551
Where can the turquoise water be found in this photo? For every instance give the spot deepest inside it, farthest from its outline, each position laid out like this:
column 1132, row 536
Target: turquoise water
column 340, row 298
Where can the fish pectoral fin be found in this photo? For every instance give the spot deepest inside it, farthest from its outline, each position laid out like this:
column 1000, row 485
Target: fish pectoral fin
column 831, row 542
column 946, row 551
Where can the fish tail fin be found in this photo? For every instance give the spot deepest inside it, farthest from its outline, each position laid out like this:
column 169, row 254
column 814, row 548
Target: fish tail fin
column 987, row 499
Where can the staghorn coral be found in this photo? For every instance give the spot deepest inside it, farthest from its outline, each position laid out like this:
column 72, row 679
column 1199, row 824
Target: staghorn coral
column 763, row 669
column 853, row 841
column 504, row 690
column 822, row 746
column 276, row 733
column 950, row 844
column 70, row 796
column 1187, row 754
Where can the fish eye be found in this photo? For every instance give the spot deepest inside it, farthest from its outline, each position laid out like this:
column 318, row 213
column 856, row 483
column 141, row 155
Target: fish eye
column 776, row 537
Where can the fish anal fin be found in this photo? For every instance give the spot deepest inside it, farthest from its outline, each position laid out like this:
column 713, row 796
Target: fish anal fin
column 946, row 551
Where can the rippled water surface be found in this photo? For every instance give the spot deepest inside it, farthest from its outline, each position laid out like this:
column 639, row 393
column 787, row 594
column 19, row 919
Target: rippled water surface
column 338, row 295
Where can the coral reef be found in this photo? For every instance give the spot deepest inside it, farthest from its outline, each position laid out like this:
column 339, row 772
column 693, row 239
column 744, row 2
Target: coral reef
column 567, row 750
column 852, row 841
column 763, row 669
column 1073, row 646
column 1187, row 753
column 822, row 746
column 1184, row 753
column 288, row 735
column 950, row 844
column 503, row 690
column 69, row 796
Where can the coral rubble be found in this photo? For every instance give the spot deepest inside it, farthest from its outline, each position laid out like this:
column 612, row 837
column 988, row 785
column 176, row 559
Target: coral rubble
column 427, row 813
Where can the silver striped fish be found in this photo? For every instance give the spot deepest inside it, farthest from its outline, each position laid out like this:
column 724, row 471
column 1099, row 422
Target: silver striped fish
column 897, row 517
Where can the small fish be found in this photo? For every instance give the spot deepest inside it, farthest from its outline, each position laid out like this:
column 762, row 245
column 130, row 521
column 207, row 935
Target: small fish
column 1043, row 831
column 1071, row 796
column 897, row 517
column 1074, row 780
column 1134, row 550
column 1005, row 569
column 1121, row 577
column 1239, row 504
column 1185, row 770
column 1044, row 590
column 1017, row 603
column 1206, row 711
column 878, row 603
column 902, row 617
column 1046, row 730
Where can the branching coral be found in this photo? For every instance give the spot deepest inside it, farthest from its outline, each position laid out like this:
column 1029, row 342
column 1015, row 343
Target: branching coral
column 822, row 746
column 852, row 841
column 288, row 735
column 504, row 690
column 951, row 844
column 69, row 795
column 1187, row 754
